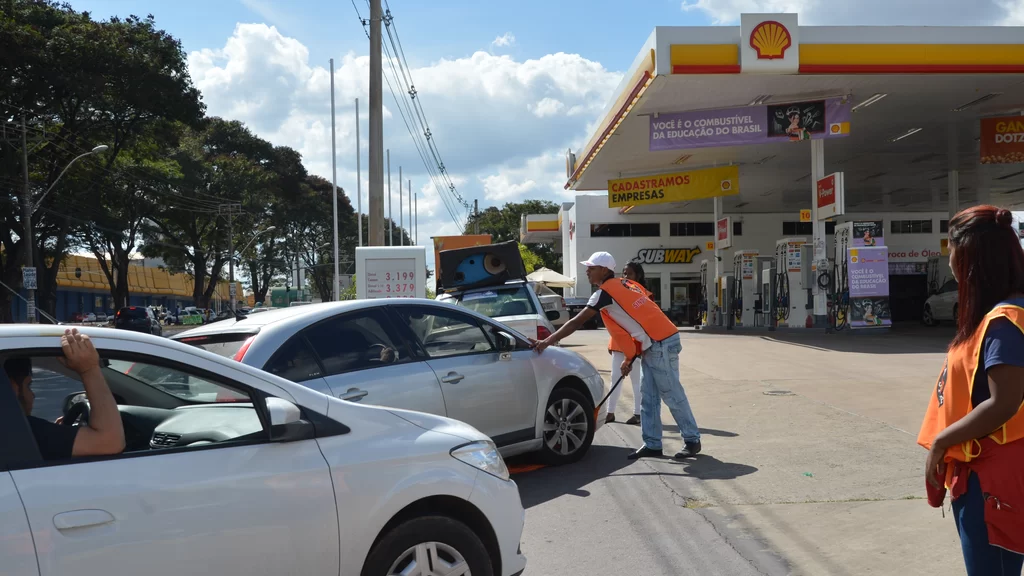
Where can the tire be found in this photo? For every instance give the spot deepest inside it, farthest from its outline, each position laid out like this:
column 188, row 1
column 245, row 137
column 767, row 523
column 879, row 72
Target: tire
column 560, row 434
column 927, row 318
column 446, row 540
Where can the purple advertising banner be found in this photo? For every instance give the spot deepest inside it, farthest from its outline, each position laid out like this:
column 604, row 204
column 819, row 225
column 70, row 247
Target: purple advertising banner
column 868, row 274
column 751, row 125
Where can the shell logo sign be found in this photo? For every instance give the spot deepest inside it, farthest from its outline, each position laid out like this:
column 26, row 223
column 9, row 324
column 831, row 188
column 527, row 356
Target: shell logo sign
column 770, row 39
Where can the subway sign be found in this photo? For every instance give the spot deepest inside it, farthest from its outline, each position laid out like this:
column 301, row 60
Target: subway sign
column 667, row 255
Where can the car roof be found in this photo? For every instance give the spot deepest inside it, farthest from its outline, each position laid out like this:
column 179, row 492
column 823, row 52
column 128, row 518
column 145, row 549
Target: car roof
column 300, row 316
column 508, row 284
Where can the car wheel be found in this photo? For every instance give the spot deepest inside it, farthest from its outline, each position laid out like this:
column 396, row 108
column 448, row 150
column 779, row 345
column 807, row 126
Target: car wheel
column 927, row 317
column 429, row 546
column 568, row 427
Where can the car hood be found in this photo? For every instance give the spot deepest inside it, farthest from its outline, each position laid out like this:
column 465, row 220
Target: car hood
column 440, row 424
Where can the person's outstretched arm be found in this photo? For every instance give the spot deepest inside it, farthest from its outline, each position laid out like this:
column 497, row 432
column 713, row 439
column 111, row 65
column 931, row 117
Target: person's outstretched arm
column 567, row 329
column 104, row 433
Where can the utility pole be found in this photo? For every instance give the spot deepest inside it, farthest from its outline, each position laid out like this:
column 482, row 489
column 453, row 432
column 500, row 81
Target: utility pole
column 26, row 222
column 336, row 292
column 231, row 210
column 401, row 219
column 376, row 129
column 476, row 216
column 410, row 214
column 416, row 208
column 359, row 181
column 391, row 222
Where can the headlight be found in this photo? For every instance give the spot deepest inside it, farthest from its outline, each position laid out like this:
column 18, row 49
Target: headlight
column 484, row 456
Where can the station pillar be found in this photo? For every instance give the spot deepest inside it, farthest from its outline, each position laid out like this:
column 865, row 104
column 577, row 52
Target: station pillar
column 717, row 202
column 954, row 192
column 818, row 242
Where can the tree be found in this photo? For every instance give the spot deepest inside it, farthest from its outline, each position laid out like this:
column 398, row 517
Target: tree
column 503, row 225
column 530, row 260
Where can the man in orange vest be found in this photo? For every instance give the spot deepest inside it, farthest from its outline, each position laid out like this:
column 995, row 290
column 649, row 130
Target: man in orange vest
column 637, row 323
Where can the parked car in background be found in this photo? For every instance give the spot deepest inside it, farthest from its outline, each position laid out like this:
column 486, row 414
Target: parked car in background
column 258, row 476
column 942, row 306
column 428, row 356
column 514, row 304
column 575, row 306
column 138, row 319
column 101, row 317
column 77, row 317
column 90, row 317
column 552, row 303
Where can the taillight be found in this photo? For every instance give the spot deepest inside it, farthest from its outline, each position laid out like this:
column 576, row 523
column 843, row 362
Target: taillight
column 245, row 348
column 543, row 332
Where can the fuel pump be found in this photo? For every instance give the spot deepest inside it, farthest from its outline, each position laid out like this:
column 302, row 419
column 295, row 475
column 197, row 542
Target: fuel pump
column 745, row 281
column 839, row 309
column 791, row 287
column 703, row 306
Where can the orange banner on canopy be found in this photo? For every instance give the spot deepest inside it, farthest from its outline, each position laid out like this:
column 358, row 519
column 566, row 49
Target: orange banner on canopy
column 1002, row 140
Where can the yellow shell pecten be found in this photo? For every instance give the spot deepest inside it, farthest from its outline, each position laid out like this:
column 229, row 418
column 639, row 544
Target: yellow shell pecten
column 770, row 39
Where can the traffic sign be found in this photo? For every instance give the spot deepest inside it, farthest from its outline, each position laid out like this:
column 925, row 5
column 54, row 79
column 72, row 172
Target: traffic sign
column 232, row 290
column 28, row 278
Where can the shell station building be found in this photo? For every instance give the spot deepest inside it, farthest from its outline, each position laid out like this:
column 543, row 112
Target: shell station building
column 769, row 135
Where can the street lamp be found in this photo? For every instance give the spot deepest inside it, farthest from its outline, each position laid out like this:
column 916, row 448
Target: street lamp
column 28, row 209
column 231, row 264
column 96, row 150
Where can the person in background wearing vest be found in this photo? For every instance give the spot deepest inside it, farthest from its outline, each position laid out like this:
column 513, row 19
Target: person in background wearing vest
column 635, row 320
column 974, row 425
column 635, row 272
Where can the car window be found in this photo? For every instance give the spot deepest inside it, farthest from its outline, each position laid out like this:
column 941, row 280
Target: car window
column 50, row 389
column 356, row 341
column 445, row 333
column 498, row 302
column 950, row 286
column 294, row 361
column 543, row 290
column 177, row 382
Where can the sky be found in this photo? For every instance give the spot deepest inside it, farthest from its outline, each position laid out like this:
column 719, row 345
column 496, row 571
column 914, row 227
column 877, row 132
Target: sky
column 506, row 87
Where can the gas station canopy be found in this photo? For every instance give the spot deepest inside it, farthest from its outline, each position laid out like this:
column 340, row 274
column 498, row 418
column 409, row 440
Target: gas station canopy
column 914, row 96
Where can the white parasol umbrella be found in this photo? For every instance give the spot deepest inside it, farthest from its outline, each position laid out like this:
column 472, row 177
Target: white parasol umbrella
column 550, row 278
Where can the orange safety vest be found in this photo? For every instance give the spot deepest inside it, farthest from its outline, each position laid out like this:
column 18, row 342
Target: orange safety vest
column 951, row 396
column 635, row 300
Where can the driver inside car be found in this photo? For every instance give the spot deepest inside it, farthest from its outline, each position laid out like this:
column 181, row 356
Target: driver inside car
column 102, row 435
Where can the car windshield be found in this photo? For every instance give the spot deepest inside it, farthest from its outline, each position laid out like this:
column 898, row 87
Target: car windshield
column 498, row 302
column 543, row 290
column 177, row 383
column 226, row 345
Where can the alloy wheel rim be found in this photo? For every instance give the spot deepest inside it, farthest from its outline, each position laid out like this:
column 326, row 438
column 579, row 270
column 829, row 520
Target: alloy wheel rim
column 565, row 426
column 430, row 559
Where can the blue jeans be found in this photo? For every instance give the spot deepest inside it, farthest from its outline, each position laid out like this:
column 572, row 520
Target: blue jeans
column 661, row 382
column 981, row 558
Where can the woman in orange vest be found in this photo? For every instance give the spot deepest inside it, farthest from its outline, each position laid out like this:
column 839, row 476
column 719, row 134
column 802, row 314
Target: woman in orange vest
column 635, row 272
column 974, row 426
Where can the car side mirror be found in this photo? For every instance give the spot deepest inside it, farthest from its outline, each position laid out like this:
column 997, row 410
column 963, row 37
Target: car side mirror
column 286, row 423
column 506, row 343
column 70, row 400
column 552, row 315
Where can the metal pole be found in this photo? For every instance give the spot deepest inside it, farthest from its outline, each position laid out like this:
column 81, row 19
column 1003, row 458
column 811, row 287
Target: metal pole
column 391, row 223
column 26, row 220
column 359, row 182
column 334, row 180
column 401, row 219
column 410, row 214
column 476, row 216
column 376, row 129
column 231, row 258
column 416, row 212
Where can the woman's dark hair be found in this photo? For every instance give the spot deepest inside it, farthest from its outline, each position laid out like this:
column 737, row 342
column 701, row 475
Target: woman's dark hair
column 639, row 271
column 989, row 264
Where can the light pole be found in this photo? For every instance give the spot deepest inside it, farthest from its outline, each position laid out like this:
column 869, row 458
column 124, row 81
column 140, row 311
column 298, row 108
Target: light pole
column 28, row 208
column 231, row 265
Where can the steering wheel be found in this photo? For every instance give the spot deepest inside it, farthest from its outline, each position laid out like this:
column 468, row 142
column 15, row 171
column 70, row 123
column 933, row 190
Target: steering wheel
column 379, row 353
column 79, row 411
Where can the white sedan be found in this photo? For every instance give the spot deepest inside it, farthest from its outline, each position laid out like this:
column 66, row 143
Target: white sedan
column 428, row 356
column 230, row 470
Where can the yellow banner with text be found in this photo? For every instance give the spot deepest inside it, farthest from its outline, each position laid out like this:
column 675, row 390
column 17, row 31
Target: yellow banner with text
column 674, row 187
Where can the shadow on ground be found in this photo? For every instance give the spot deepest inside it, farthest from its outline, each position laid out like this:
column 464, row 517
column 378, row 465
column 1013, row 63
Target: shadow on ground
column 906, row 338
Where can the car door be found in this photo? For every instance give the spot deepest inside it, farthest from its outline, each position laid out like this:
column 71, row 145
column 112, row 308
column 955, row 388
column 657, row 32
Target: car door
column 494, row 391
column 252, row 506
column 17, row 552
column 363, row 360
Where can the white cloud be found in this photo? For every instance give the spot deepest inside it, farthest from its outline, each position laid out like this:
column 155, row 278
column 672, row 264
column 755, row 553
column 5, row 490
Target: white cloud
column 502, row 133
column 505, row 40
column 869, row 12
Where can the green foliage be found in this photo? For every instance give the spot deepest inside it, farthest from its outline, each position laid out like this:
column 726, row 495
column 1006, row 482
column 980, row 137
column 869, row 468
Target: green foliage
column 530, row 260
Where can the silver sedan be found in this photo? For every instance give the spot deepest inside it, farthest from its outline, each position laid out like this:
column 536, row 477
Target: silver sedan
column 430, row 357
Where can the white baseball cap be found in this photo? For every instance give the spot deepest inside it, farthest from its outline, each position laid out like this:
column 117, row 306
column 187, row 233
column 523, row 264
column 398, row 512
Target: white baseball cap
column 603, row 259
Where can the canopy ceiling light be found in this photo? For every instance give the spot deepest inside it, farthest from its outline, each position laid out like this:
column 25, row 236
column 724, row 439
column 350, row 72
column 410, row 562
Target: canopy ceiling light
column 906, row 134
column 974, row 103
column 1010, row 175
column 874, row 98
column 759, row 100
